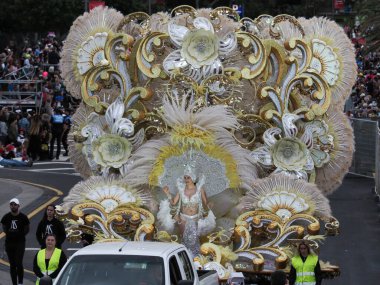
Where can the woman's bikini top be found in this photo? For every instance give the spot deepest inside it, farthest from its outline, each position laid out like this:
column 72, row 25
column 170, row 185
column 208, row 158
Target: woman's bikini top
column 191, row 202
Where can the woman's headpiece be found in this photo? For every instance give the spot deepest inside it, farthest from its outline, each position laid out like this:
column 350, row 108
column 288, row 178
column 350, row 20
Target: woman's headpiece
column 189, row 171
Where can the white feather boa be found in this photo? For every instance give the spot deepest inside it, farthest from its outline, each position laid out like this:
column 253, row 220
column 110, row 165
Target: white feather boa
column 167, row 223
column 207, row 224
column 165, row 220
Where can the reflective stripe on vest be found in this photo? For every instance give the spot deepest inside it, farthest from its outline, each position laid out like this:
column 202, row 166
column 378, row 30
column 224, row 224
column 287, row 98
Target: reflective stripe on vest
column 305, row 270
column 305, row 273
column 53, row 262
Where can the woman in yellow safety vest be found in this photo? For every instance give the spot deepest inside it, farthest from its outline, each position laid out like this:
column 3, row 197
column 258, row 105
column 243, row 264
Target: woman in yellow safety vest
column 305, row 269
column 50, row 260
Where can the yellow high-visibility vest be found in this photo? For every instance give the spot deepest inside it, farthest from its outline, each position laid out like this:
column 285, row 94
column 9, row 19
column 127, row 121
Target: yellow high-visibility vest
column 305, row 270
column 53, row 263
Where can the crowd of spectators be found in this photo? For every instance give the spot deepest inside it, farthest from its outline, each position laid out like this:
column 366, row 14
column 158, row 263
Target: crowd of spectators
column 14, row 57
column 39, row 64
column 364, row 101
column 29, row 136
column 29, row 130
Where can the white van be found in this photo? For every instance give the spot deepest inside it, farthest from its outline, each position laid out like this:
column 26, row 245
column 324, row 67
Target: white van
column 133, row 263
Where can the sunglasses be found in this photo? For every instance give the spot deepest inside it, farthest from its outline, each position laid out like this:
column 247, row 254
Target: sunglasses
column 13, row 204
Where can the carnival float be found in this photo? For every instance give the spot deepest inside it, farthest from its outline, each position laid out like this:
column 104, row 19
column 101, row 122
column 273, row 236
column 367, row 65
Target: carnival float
column 198, row 127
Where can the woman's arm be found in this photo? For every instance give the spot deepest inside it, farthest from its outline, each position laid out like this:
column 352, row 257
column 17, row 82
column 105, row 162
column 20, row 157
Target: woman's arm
column 61, row 234
column 292, row 275
column 318, row 274
column 62, row 261
column 173, row 201
column 39, row 234
column 205, row 203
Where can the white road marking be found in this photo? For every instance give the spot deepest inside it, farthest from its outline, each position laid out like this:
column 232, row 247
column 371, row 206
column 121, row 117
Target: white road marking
column 42, row 171
column 48, row 169
column 52, row 162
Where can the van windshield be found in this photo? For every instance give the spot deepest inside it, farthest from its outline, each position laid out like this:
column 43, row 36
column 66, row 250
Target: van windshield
column 113, row 270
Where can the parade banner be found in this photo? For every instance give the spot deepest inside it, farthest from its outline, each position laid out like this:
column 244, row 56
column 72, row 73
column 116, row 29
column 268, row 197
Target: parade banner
column 339, row 4
column 94, row 3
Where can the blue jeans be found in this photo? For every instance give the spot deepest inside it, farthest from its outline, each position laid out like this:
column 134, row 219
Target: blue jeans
column 11, row 162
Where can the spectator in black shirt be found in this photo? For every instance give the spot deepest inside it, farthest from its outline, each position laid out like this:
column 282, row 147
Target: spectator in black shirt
column 50, row 225
column 53, row 56
column 15, row 226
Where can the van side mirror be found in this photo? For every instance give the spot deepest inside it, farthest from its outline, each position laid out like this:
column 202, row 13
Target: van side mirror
column 46, row 280
column 185, row 282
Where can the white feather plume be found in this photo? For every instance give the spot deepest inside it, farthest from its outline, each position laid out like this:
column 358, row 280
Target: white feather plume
column 246, row 170
column 98, row 20
column 213, row 119
column 335, row 37
column 279, row 190
column 98, row 188
column 330, row 176
column 142, row 161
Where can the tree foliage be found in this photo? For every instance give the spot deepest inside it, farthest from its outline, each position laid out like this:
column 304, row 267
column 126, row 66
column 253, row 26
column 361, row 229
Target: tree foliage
column 369, row 13
column 38, row 16
column 57, row 15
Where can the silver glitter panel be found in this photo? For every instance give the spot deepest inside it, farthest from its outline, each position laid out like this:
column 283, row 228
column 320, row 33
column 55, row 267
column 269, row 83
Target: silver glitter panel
column 190, row 237
column 213, row 170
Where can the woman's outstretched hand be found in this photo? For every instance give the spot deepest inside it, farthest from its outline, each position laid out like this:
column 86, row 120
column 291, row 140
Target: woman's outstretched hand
column 166, row 190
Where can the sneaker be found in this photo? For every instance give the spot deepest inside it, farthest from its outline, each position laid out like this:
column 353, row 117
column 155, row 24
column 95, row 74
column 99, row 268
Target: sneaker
column 30, row 163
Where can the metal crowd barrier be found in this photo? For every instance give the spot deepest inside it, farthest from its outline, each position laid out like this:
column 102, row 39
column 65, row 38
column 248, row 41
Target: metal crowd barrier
column 377, row 175
column 367, row 149
column 49, row 67
column 14, row 96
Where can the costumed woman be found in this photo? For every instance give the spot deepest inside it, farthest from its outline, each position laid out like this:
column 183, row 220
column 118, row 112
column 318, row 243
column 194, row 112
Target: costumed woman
column 188, row 209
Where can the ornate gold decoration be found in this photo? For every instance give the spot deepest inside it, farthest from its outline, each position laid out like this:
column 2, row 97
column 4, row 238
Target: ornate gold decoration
column 255, row 53
column 137, row 17
column 184, row 9
column 285, row 18
column 282, row 80
column 145, row 55
column 130, row 223
column 260, row 232
column 225, row 11
column 114, row 71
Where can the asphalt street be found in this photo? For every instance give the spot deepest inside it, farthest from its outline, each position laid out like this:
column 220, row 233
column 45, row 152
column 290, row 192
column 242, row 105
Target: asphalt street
column 36, row 187
column 355, row 250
